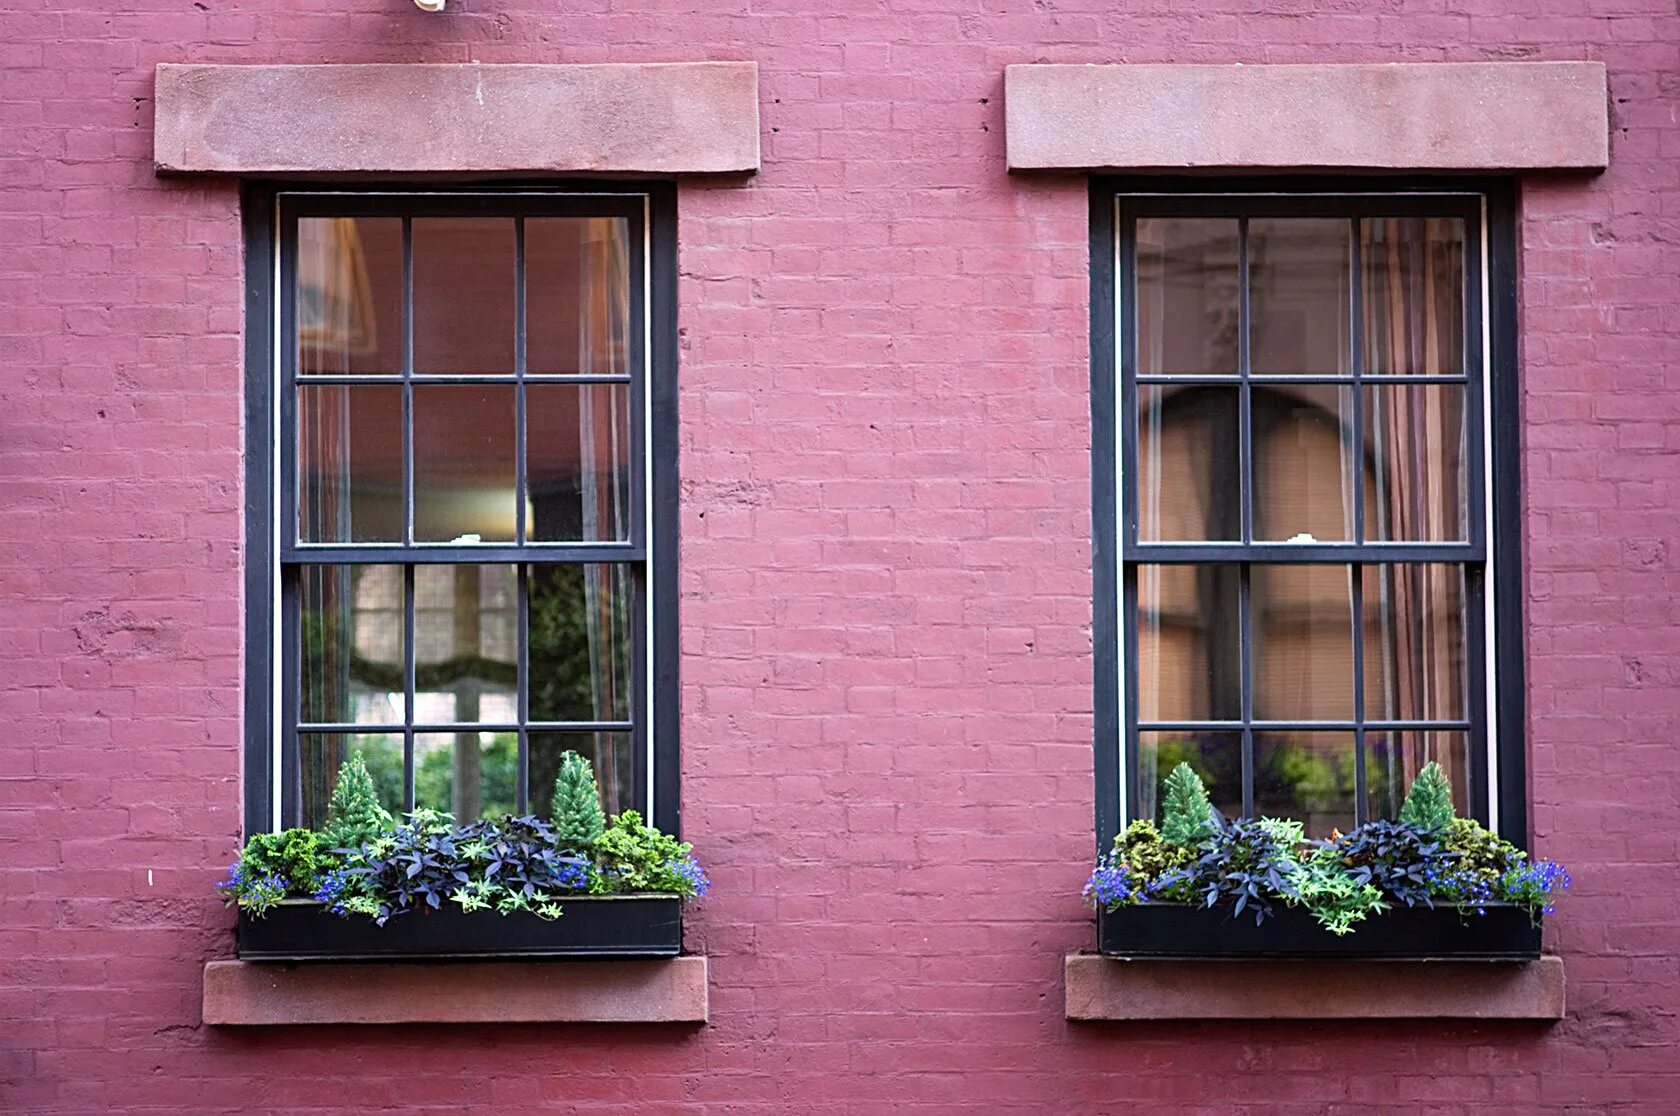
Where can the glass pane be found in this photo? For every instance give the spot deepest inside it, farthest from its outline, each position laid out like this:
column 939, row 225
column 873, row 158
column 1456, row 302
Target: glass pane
column 1187, row 296
column 1302, row 629
column 351, row 657
column 1415, row 448
column 463, row 295
column 1189, row 486
column 320, row 754
column 464, row 474
column 577, row 447
column 577, row 295
column 1308, row 776
column 349, row 462
column 466, row 639
column 349, row 296
column 1189, row 664
column 1304, row 450
column 581, row 636
column 469, row 774
column 1393, row 760
column 1298, row 296
column 610, row 752
column 1412, row 289
column 1215, row 756
column 1415, row 643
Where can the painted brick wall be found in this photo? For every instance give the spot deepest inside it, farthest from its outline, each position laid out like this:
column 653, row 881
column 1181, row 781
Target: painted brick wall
column 886, row 571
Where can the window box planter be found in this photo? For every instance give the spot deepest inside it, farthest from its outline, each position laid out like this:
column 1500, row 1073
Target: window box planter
column 591, row 926
column 1505, row 933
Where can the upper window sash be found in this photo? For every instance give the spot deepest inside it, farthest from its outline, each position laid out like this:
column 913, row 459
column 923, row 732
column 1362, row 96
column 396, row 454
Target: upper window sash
column 517, row 207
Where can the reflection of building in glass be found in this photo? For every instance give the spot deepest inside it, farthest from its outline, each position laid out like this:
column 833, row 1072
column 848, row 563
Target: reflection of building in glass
column 1315, row 454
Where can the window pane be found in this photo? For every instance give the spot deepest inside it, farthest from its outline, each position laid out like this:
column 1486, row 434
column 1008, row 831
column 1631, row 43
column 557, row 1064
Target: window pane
column 577, row 447
column 1412, row 289
column 577, row 295
column 466, row 662
column 1189, row 480
column 1189, row 664
column 464, row 473
column 469, row 774
column 1302, row 628
column 611, row 754
column 1415, row 444
column 1298, row 296
column 351, row 656
column 1304, row 450
column 1415, row 649
column 1187, row 296
column 581, row 636
column 320, row 754
column 1393, row 760
column 349, row 462
column 349, row 296
column 1215, row 756
column 1308, row 776
column 463, row 295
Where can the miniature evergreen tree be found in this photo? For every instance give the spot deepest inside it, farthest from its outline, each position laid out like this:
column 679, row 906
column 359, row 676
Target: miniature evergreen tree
column 354, row 814
column 1429, row 803
column 1187, row 815
column 576, row 806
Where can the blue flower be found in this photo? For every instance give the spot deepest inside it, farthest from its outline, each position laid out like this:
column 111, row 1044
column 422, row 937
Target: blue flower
column 693, row 874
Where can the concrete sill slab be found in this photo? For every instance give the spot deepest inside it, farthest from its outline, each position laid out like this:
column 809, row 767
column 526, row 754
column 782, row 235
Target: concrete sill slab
column 1104, row 988
column 243, row 993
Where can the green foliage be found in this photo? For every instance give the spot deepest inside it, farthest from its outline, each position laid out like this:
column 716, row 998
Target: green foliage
column 297, row 856
column 1429, row 803
column 1187, row 814
column 631, row 856
column 273, row 866
column 1331, row 895
column 1142, row 851
column 354, row 815
column 575, row 808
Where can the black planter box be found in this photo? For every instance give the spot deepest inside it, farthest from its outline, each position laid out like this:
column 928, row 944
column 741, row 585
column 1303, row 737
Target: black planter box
column 1505, row 933
column 591, row 926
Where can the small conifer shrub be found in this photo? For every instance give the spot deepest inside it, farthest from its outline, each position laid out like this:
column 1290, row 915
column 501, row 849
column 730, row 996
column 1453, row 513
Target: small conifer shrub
column 354, row 814
column 1187, row 815
column 1429, row 802
column 576, row 805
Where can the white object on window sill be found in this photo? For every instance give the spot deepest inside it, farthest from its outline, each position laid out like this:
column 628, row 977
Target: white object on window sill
column 1303, row 537
column 430, row 5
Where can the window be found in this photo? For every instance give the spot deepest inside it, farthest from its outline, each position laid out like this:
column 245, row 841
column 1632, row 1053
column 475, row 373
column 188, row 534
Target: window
column 461, row 428
column 1305, row 492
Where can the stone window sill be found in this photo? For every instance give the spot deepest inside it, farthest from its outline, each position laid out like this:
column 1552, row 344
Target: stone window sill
column 243, row 993
column 1103, row 988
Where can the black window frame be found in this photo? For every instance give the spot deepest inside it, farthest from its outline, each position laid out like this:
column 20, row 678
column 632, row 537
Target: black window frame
column 1489, row 207
column 269, row 213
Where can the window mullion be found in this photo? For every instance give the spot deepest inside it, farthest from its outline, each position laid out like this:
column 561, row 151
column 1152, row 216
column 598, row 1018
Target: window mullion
column 409, row 656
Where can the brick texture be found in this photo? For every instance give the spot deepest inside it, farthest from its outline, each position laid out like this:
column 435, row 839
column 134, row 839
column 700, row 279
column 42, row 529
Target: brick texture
column 886, row 578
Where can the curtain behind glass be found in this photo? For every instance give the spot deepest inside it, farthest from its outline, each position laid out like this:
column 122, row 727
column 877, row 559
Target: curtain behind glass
column 603, row 342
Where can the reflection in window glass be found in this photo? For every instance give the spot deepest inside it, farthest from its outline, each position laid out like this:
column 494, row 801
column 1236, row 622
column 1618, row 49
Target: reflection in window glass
column 609, row 752
column 350, row 463
column 1215, row 756
column 1307, row 776
column 468, row 774
column 464, row 473
column 1415, row 442
column 1189, row 658
column 466, row 624
column 1298, row 296
column 351, row 656
column 1412, row 289
column 1189, row 476
column 321, row 754
column 1187, row 318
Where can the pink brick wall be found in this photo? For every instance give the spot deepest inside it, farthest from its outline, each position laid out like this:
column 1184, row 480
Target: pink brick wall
column 887, row 695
